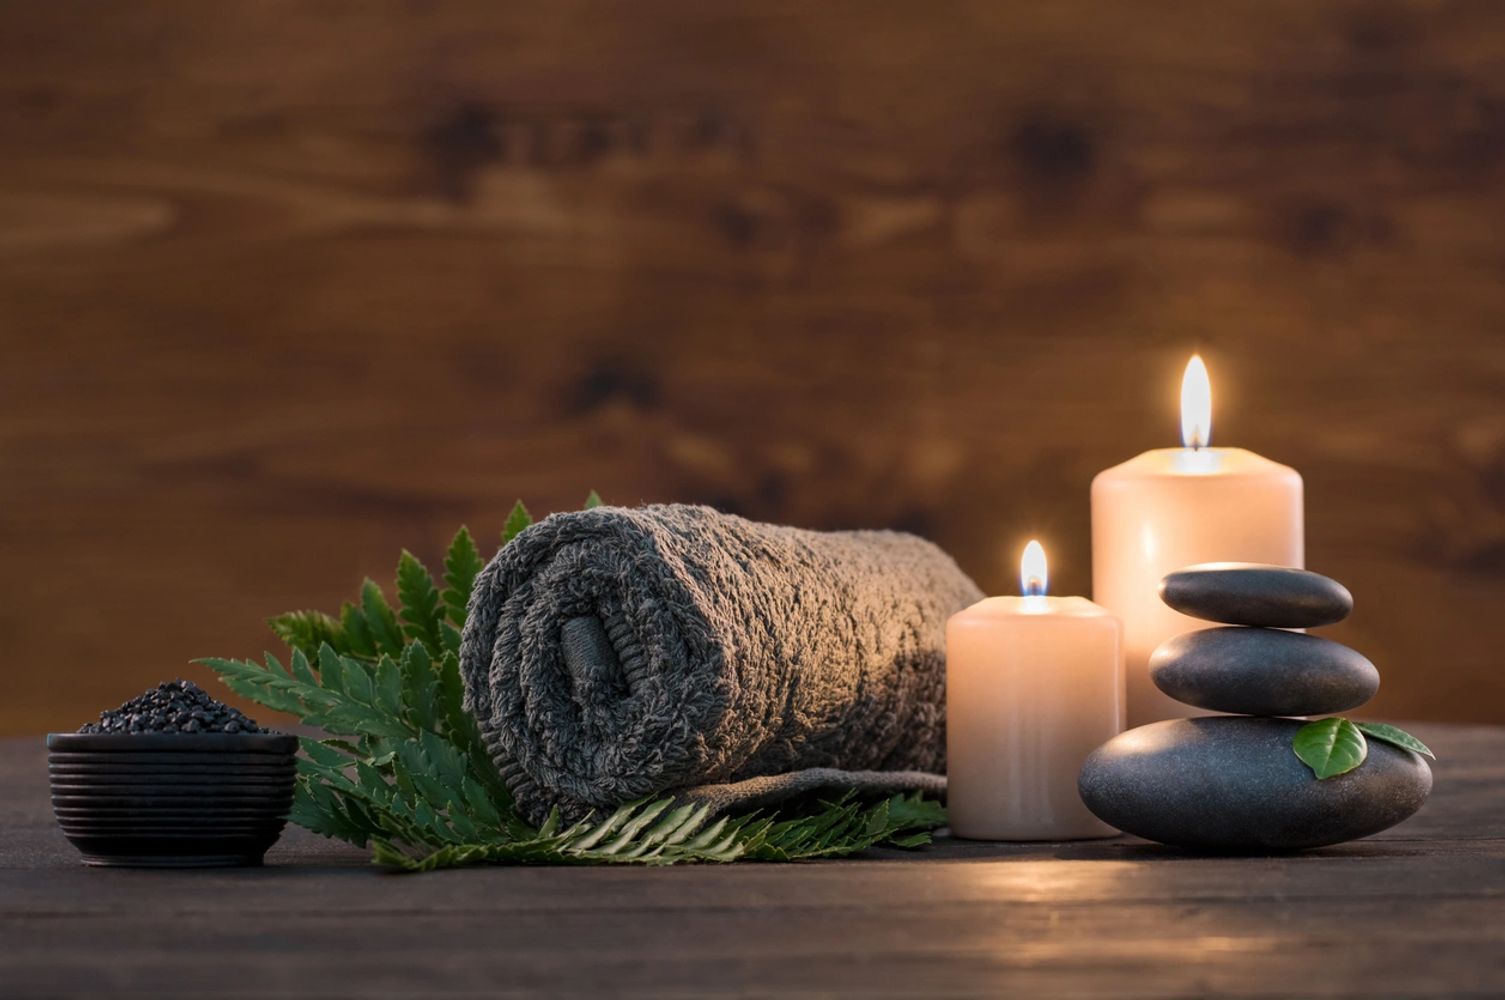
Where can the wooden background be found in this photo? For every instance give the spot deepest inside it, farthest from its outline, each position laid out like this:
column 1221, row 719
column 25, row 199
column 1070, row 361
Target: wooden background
column 285, row 287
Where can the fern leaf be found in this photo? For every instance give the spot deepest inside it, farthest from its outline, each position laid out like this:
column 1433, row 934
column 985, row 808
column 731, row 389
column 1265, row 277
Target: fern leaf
column 354, row 720
column 450, row 703
column 332, row 670
column 462, row 564
column 301, row 670
column 516, row 522
column 317, row 807
column 705, row 838
column 480, row 805
column 307, row 630
column 625, row 839
column 358, row 684
column 359, row 640
column 677, row 825
column 419, row 600
column 250, row 679
column 385, row 633
column 589, row 840
column 324, row 754
column 910, row 841
column 388, row 687
column 418, row 687
column 592, row 501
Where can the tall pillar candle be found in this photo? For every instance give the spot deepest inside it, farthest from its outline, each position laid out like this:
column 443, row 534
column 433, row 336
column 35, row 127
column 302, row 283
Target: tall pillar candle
column 1174, row 507
column 1033, row 685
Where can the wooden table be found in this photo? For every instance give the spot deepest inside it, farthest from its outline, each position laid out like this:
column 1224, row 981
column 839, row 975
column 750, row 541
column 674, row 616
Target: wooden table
column 1417, row 911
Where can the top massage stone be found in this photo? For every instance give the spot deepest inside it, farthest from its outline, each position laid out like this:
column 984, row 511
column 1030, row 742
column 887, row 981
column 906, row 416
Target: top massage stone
column 1256, row 594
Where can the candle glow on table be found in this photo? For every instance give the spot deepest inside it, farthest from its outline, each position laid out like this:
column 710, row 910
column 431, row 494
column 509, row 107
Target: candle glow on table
column 1033, row 685
column 1173, row 507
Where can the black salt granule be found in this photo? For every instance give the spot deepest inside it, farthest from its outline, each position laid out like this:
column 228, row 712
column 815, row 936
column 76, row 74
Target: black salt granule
column 173, row 707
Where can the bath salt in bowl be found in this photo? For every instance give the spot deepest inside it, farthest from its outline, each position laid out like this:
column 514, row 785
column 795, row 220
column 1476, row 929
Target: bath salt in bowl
column 172, row 779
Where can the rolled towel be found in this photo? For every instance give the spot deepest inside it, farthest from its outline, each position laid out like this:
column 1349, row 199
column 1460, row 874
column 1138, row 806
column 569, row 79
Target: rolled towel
column 616, row 653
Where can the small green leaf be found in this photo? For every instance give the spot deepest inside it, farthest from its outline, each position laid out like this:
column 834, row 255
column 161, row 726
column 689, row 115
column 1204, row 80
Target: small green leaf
column 301, row 669
column 421, row 612
column 1395, row 736
column 358, row 638
column 449, row 638
column 462, row 564
column 594, row 500
column 275, row 667
column 911, row 841
column 307, row 630
column 322, row 754
column 1330, row 747
column 380, row 618
column 418, row 687
column 388, row 687
column 331, row 670
column 449, row 696
column 516, row 522
column 359, row 684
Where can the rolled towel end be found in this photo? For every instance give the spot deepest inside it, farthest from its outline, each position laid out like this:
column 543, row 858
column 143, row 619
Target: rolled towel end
column 613, row 653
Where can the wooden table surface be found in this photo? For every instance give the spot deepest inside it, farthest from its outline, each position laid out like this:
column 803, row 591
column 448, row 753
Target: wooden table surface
column 1417, row 911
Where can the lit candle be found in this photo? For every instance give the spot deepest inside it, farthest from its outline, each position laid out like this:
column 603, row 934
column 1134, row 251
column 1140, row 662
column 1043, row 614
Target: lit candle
column 1033, row 685
column 1173, row 507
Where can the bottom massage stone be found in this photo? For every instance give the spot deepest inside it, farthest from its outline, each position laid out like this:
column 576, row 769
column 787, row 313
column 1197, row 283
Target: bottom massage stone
column 1232, row 783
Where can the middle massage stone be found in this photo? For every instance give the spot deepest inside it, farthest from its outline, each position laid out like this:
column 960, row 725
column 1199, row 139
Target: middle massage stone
column 1263, row 671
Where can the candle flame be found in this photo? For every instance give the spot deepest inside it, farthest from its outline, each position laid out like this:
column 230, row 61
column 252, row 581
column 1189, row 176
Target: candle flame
column 1032, row 576
column 1196, row 404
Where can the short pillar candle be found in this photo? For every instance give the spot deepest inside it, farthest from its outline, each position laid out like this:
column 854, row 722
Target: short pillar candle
column 1033, row 685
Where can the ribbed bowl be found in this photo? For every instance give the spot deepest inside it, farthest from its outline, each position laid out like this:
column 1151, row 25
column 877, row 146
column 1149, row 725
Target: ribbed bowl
column 171, row 800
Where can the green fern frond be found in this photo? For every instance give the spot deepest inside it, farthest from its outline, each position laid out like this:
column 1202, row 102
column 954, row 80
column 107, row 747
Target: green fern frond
column 385, row 633
column 419, row 600
column 517, row 522
column 462, row 564
column 307, row 630
column 359, row 640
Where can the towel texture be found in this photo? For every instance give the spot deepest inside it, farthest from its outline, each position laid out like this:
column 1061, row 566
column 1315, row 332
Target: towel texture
column 616, row 653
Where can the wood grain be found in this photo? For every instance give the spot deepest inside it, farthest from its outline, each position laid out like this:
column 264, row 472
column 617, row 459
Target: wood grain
column 1416, row 911
column 285, row 287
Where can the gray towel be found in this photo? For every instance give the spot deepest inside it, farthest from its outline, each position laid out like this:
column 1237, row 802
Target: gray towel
column 617, row 653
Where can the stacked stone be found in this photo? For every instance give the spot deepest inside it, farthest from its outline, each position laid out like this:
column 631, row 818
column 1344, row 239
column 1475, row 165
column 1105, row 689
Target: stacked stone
column 1233, row 782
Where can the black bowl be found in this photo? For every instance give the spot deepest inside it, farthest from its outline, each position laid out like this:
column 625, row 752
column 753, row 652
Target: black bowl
column 126, row 807
column 187, row 789
column 170, row 831
column 92, row 810
column 172, row 800
column 263, row 744
column 129, row 784
column 162, row 758
column 174, row 828
column 175, row 773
